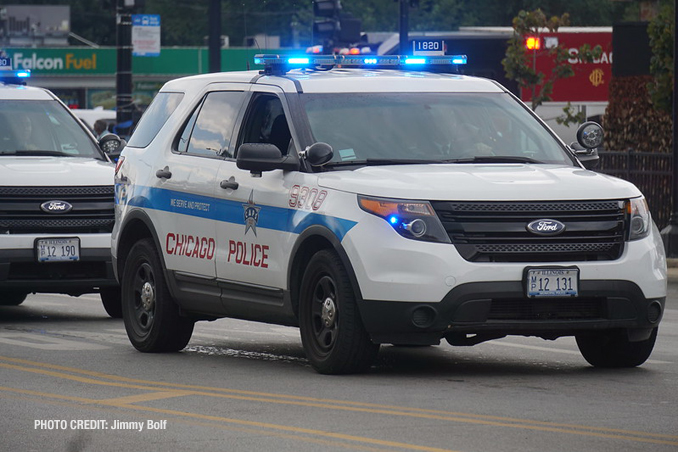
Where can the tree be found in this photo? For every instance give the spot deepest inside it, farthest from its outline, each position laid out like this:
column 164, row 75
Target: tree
column 520, row 62
column 661, row 31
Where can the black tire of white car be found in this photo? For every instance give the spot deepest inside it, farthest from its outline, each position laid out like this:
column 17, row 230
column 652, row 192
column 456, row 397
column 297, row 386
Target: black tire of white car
column 111, row 299
column 150, row 315
column 332, row 333
column 613, row 349
column 12, row 298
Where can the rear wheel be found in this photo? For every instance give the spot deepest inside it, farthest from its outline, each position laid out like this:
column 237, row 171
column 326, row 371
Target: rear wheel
column 613, row 348
column 12, row 297
column 150, row 314
column 332, row 333
column 111, row 299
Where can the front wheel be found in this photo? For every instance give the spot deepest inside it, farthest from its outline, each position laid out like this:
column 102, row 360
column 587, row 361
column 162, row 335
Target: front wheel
column 613, row 348
column 332, row 333
column 150, row 314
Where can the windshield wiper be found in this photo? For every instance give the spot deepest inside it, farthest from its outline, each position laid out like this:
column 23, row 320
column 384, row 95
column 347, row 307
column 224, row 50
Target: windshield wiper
column 371, row 162
column 493, row 159
column 41, row 152
column 478, row 159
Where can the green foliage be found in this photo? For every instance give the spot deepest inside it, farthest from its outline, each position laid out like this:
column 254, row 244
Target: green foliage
column 520, row 63
column 661, row 31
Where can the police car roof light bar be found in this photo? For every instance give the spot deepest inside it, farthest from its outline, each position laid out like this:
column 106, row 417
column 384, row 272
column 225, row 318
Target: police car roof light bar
column 14, row 77
column 280, row 64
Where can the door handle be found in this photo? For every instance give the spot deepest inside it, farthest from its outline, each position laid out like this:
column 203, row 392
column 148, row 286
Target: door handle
column 229, row 183
column 164, row 173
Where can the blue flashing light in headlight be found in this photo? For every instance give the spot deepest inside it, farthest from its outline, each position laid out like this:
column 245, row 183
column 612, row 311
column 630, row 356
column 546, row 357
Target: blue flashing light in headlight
column 393, row 219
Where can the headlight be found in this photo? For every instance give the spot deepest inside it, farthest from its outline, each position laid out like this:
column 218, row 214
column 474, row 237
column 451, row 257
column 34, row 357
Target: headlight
column 640, row 222
column 412, row 219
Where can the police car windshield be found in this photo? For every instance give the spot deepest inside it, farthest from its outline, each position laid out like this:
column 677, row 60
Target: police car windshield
column 401, row 128
column 43, row 128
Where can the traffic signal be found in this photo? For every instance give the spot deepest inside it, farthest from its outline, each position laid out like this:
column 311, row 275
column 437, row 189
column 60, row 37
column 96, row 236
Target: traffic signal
column 326, row 8
column 533, row 43
column 326, row 24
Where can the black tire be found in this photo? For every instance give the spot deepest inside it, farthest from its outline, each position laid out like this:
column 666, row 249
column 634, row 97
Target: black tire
column 613, row 349
column 12, row 298
column 111, row 299
column 332, row 333
column 150, row 314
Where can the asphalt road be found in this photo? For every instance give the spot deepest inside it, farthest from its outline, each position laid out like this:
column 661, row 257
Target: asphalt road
column 70, row 381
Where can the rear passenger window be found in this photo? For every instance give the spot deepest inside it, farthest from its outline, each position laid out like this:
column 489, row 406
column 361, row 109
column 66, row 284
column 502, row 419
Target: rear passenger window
column 209, row 130
column 154, row 118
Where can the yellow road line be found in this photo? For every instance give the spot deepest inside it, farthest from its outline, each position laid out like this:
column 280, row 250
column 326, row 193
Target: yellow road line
column 240, row 422
column 581, row 430
column 144, row 397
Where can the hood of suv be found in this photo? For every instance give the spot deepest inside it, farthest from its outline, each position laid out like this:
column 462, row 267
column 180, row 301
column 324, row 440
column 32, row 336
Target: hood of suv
column 500, row 182
column 41, row 171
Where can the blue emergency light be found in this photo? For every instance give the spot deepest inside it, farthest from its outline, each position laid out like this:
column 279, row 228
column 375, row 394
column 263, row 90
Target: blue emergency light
column 275, row 64
column 11, row 76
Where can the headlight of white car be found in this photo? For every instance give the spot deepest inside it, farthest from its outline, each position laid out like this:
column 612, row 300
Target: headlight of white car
column 412, row 219
column 640, row 222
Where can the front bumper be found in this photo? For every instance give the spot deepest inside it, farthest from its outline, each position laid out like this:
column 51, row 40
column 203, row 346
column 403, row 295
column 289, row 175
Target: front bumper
column 496, row 309
column 19, row 270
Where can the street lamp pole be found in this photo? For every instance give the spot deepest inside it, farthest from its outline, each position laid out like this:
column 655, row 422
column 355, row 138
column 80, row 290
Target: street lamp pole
column 123, row 74
column 404, row 26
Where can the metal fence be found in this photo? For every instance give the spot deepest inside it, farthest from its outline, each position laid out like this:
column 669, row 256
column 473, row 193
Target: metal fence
column 651, row 172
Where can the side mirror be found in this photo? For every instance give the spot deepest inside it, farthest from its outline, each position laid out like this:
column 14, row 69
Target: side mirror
column 589, row 137
column 319, row 153
column 259, row 157
column 112, row 145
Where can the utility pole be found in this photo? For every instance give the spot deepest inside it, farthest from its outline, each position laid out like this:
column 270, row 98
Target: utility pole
column 123, row 74
column 404, row 26
column 214, row 40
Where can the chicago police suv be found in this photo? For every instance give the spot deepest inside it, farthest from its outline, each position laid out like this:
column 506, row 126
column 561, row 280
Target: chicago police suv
column 56, row 198
column 378, row 200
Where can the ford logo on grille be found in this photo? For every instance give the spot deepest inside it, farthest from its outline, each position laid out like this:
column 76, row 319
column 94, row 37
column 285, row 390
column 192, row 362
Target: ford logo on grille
column 546, row 227
column 56, row 206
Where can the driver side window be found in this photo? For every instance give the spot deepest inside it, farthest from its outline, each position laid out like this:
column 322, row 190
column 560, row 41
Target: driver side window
column 266, row 123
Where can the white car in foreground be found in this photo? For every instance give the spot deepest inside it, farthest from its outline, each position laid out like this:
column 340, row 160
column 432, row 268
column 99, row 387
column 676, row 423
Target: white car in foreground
column 378, row 200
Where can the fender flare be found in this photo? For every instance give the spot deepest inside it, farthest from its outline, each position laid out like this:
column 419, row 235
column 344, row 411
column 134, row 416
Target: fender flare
column 322, row 232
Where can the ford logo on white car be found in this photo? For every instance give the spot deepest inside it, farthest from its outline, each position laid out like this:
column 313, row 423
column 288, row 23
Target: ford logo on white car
column 56, row 207
column 546, row 227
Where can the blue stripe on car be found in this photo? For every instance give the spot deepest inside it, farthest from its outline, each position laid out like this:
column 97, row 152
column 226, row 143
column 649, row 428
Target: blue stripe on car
column 270, row 217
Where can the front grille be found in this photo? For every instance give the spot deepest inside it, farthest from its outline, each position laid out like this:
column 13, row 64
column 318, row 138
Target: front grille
column 92, row 211
column 496, row 231
column 547, row 309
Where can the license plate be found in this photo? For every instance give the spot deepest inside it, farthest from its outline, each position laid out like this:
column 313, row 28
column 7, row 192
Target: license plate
column 58, row 249
column 552, row 282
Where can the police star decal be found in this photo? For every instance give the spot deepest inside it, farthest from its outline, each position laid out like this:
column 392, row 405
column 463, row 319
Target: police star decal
column 251, row 215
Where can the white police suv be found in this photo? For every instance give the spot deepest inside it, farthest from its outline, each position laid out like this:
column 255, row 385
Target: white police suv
column 56, row 198
column 379, row 200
